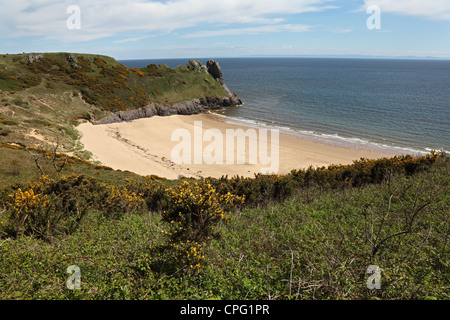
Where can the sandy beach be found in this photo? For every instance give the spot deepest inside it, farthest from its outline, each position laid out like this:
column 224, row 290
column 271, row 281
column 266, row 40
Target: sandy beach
column 147, row 147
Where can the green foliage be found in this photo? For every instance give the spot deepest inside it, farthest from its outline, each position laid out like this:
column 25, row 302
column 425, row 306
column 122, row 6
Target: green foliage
column 49, row 208
column 4, row 132
column 152, row 191
column 17, row 158
column 120, row 201
column 192, row 215
column 195, row 209
column 263, row 189
column 108, row 84
column 314, row 243
column 64, row 89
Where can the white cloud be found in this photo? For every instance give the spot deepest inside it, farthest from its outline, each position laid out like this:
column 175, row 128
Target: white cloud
column 432, row 9
column 249, row 30
column 132, row 39
column 341, row 30
column 103, row 18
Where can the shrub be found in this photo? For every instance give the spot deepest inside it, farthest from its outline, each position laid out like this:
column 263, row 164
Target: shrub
column 263, row 189
column 120, row 201
column 193, row 213
column 153, row 192
column 195, row 209
column 49, row 208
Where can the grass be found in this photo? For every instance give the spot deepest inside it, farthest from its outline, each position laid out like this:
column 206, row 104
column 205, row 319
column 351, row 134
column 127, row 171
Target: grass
column 48, row 114
column 315, row 244
column 17, row 166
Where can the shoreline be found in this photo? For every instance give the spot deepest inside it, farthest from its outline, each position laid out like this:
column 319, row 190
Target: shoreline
column 144, row 146
column 329, row 139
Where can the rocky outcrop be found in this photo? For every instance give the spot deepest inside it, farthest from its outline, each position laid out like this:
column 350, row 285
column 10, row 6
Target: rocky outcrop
column 215, row 71
column 197, row 66
column 183, row 108
column 195, row 106
column 72, row 61
column 34, row 57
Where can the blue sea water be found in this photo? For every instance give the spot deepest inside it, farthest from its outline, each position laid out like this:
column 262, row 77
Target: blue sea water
column 401, row 106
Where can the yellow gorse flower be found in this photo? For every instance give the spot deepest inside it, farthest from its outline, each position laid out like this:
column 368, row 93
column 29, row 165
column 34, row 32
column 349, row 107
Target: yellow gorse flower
column 194, row 210
column 24, row 201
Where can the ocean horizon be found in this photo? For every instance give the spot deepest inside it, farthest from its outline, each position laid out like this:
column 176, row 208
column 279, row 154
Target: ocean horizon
column 399, row 106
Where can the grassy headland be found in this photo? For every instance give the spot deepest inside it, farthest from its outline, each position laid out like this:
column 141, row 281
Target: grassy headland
column 43, row 96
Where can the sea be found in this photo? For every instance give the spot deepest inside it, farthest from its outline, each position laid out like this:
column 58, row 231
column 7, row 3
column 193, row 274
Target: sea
column 399, row 106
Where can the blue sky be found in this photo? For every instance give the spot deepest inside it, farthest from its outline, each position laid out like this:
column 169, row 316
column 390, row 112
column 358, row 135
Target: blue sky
column 141, row 29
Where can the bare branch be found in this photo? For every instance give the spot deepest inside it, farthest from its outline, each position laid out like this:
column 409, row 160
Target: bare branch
column 36, row 161
column 58, row 167
column 377, row 247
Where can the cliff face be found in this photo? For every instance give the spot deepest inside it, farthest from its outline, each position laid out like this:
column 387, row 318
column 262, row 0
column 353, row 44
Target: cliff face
column 183, row 108
column 189, row 107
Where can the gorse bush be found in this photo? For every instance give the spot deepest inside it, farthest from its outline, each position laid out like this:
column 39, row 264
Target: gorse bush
column 49, row 208
column 195, row 209
column 152, row 191
column 193, row 214
column 263, row 189
column 120, row 201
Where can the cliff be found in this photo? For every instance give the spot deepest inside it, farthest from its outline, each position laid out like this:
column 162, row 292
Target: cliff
column 107, row 84
column 42, row 95
column 187, row 107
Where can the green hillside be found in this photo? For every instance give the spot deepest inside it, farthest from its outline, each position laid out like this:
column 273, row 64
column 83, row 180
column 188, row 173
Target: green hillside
column 42, row 96
column 311, row 234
